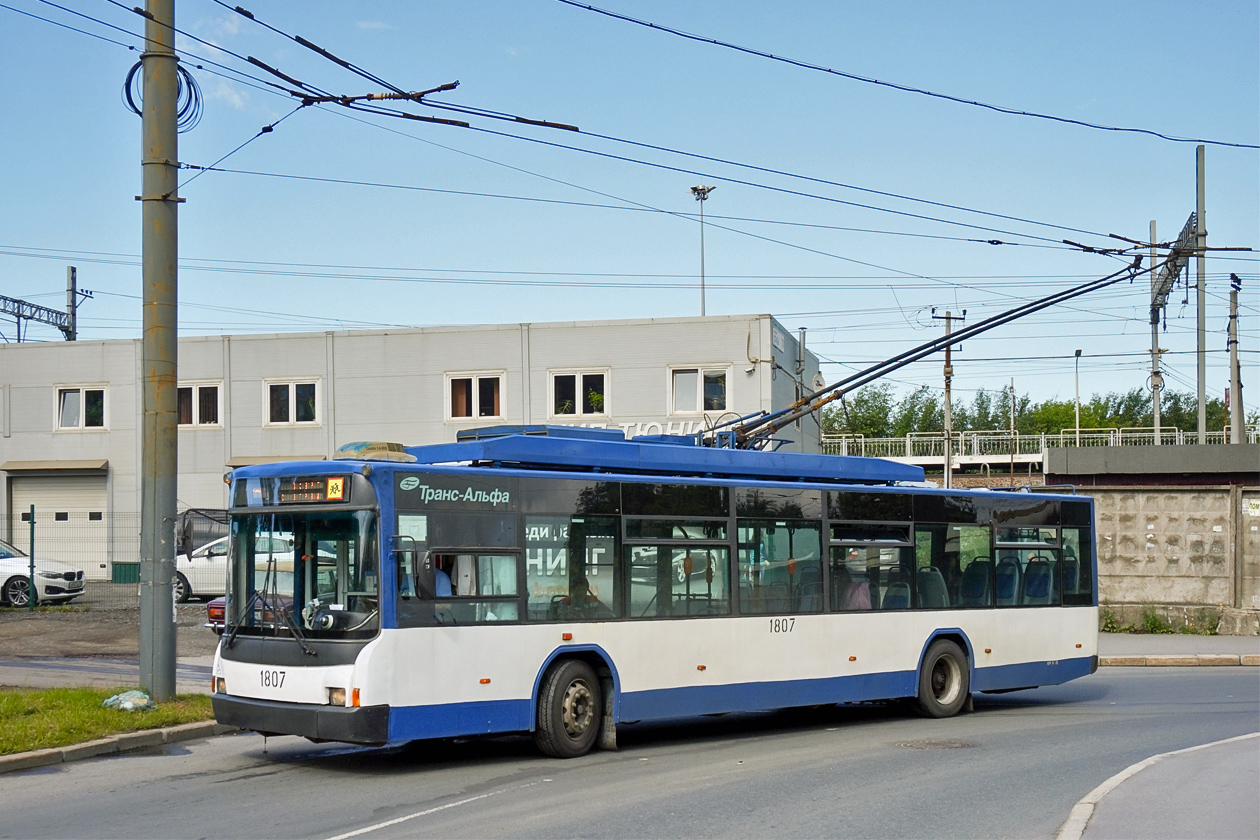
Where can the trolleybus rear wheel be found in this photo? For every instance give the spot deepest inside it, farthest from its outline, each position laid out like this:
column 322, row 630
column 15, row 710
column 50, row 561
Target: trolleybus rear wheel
column 944, row 680
column 570, row 710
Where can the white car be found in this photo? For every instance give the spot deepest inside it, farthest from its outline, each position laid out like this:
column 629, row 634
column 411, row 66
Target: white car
column 55, row 582
column 203, row 574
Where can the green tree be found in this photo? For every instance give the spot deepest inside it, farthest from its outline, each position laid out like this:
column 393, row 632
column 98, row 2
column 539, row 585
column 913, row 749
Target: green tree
column 867, row 411
column 875, row 411
column 918, row 411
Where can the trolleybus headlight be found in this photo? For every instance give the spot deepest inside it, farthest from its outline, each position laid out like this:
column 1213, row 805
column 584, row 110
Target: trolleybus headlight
column 336, row 697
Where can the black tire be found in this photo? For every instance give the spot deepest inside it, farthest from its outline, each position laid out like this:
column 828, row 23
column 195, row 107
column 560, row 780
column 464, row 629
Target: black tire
column 944, row 680
column 570, row 710
column 181, row 588
column 17, row 592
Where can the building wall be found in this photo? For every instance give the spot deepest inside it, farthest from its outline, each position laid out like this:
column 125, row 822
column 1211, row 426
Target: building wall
column 383, row 385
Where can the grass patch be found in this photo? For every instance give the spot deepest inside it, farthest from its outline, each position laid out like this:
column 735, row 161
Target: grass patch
column 37, row 718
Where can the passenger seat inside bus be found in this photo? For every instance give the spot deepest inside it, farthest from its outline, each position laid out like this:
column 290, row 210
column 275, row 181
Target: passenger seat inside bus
column 1008, row 579
column 932, row 593
column 1038, row 577
column 975, row 583
column 897, row 595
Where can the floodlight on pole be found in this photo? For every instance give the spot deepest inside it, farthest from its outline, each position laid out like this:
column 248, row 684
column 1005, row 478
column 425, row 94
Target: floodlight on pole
column 702, row 194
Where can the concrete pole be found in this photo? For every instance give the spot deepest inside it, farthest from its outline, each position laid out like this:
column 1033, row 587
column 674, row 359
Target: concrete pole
column 949, row 415
column 1201, row 264
column 1235, row 375
column 1157, row 379
column 72, row 303
column 1078, row 398
column 159, row 165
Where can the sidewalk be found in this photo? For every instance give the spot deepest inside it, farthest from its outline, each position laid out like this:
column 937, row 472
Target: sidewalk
column 1172, row 795
column 192, row 673
column 1174, row 649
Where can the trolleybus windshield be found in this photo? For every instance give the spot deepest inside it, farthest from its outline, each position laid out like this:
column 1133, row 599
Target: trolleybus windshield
column 312, row 575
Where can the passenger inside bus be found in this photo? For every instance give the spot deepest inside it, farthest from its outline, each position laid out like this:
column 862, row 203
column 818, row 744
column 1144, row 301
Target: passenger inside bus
column 441, row 583
column 581, row 602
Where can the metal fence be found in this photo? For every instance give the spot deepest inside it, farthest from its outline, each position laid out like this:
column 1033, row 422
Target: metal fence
column 104, row 546
column 988, row 445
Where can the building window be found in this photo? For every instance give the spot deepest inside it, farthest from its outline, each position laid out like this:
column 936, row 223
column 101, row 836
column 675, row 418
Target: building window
column 475, row 395
column 80, row 408
column 579, row 393
column 698, row 389
column 291, row 402
column 198, row 405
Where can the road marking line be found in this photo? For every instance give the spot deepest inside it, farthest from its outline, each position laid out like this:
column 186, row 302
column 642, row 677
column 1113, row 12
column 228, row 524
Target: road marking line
column 427, row 812
column 1081, row 812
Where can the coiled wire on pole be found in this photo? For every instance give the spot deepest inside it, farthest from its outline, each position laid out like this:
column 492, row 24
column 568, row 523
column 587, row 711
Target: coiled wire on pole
column 189, row 102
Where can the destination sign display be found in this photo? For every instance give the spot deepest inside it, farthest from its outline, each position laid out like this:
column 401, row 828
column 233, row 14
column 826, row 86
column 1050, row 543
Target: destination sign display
column 314, row 489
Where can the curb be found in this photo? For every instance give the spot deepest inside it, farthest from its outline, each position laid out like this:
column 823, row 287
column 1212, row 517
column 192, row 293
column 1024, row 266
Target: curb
column 113, row 745
column 1182, row 660
column 1078, row 819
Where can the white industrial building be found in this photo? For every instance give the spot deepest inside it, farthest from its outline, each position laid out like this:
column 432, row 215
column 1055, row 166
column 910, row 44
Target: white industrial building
column 70, row 437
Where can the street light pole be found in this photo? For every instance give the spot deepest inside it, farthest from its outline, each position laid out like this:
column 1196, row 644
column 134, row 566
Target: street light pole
column 1078, row 397
column 702, row 194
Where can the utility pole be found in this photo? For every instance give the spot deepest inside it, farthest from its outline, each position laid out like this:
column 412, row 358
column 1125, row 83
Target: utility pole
column 72, row 303
column 1157, row 379
column 949, row 413
column 1012, row 396
column 702, row 195
column 1201, row 267
column 1236, row 413
column 160, row 168
column 1078, row 398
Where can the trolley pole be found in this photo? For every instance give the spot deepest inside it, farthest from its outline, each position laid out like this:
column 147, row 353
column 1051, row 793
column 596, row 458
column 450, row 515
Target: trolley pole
column 160, row 168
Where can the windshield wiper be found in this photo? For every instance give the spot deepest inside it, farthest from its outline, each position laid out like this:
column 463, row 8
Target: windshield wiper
column 231, row 639
column 293, row 628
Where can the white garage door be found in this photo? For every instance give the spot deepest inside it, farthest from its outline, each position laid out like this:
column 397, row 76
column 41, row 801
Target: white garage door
column 71, row 523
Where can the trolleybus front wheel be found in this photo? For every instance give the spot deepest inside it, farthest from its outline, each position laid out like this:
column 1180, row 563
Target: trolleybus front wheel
column 570, row 710
column 944, row 680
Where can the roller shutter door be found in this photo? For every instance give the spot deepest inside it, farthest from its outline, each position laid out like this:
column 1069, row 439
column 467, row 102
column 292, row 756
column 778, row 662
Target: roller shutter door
column 71, row 523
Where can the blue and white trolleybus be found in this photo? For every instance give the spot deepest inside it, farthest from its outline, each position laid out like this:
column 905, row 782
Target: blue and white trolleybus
column 565, row 581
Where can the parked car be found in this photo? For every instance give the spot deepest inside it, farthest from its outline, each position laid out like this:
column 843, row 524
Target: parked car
column 264, row 610
column 55, row 582
column 203, row 574
column 214, row 614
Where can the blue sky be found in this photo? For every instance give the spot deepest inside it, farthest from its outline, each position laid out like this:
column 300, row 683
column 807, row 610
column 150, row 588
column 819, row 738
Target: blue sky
column 575, row 236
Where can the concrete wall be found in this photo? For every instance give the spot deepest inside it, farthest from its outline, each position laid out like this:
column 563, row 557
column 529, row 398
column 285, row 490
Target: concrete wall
column 1182, row 549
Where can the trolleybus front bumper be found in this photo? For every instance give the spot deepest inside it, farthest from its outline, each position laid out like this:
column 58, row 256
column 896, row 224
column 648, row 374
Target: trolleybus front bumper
column 355, row 725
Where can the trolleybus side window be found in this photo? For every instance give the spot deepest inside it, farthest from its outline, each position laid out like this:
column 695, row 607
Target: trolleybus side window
column 780, row 566
column 955, row 567
column 1078, row 554
column 1028, row 573
column 872, row 566
column 570, row 571
column 669, row 581
column 1077, row 567
column 483, row 587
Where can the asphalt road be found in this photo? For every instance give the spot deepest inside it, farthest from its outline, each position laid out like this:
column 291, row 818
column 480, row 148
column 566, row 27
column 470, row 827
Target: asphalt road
column 1014, row 768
